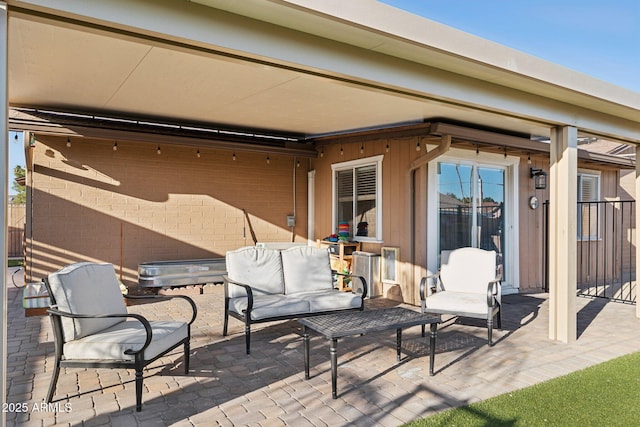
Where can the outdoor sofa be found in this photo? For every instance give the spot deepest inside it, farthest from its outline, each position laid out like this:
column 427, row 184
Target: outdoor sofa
column 264, row 285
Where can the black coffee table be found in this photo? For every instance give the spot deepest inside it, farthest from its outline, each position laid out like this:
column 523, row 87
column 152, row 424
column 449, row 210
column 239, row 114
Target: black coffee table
column 339, row 325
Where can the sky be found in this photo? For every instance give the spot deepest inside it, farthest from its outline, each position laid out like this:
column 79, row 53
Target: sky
column 596, row 37
column 600, row 38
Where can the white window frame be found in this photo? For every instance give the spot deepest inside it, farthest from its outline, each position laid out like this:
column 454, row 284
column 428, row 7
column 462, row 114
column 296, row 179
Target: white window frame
column 598, row 177
column 352, row 165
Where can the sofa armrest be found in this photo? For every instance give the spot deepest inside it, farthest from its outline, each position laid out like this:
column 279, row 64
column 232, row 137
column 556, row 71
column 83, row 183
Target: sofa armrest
column 494, row 289
column 53, row 311
column 363, row 282
column 194, row 309
column 247, row 288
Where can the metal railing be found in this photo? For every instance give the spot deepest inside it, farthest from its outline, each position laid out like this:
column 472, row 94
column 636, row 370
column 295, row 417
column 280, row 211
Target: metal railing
column 605, row 249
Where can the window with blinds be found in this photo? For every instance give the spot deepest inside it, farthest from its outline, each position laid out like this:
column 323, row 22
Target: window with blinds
column 357, row 192
column 588, row 206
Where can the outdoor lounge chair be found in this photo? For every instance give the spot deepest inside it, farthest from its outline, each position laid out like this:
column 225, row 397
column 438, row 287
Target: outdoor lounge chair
column 466, row 285
column 92, row 327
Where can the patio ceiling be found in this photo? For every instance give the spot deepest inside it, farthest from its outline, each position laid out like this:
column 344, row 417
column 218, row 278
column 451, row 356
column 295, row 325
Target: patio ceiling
column 62, row 61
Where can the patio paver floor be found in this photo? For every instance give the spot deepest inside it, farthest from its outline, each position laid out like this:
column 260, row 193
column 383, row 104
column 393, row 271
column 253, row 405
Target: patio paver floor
column 267, row 387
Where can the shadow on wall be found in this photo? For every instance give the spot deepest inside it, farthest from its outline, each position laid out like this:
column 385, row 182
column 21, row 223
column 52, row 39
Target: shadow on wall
column 128, row 206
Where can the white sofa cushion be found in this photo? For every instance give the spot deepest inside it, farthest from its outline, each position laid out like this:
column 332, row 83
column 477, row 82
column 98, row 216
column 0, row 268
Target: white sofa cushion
column 87, row 288
column 328, row 300
column 468, row 270
column 467, row 304
column 306, row 268
column 267, row 306
column 259, row 267
column 111, row 343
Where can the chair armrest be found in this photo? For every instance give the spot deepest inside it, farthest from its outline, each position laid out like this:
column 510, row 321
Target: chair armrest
column 194, row 309
column 494, row 288
column 247, row 288
column 363, row 281
column 423, row 284
column 145, row 323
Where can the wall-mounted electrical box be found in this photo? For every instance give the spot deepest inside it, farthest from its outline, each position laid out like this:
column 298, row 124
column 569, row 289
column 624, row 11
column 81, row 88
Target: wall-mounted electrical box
column 291, row 221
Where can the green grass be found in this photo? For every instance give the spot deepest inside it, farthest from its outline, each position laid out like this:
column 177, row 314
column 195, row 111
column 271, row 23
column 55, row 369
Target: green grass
column 607, row 394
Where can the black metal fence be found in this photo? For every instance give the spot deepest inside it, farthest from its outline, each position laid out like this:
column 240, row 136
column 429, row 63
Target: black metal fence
column 605, row 249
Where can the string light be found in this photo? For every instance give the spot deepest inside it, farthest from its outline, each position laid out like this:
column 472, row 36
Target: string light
column 529, row 158
column 418, row 146
column 505, row 152
column 341, row 150
column 387, row 148
column 198, row 153
column 362, row 149
column 298, row 164
column 115, row 146
column 322, row 152
column 158, row 150
column 268, row 160
column 234, row 156
column 68, row 142
column 477, row 149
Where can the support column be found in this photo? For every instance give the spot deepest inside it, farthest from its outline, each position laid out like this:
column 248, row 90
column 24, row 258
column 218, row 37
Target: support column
column 4, row 162
column 637, row 239
column 563, row 234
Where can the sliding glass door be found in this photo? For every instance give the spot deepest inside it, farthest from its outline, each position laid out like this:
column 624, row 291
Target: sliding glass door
column 471, row 203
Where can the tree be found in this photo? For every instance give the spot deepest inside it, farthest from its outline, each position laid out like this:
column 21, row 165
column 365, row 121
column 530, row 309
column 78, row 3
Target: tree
column 18, row 185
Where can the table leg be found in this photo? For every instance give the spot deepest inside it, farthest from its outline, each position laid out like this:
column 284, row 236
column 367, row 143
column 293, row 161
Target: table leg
column 398, row 342
column 334, row 367
column 432, row 347
column 305, row 338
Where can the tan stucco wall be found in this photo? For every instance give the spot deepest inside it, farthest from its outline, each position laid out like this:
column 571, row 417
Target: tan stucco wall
column 91, row 203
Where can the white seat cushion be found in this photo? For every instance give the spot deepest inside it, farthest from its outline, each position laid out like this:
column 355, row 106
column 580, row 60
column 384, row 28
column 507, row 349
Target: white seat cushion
column 329, row 300
column 266, row 306
column 87, row 288
column 111, row 343
column 306, row 268
column 461, row 303
column 259, row 267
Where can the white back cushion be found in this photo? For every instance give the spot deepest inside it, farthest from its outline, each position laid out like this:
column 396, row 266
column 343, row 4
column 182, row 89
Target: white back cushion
column 306, row 268
column 468, row 270
column 258, row 267
column 87, row 288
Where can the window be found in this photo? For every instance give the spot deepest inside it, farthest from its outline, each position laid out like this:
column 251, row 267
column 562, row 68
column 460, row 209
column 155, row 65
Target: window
column 588, row 211
column 357, row 189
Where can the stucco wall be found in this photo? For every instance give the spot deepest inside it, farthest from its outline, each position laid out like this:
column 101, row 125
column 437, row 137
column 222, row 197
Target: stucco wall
column 132, row 205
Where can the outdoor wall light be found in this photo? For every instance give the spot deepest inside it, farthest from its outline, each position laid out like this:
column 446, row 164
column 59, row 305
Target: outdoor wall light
column 540, row 178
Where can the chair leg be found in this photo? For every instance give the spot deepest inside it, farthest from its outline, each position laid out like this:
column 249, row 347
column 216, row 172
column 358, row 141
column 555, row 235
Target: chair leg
column 139, row 378
column 54, row 380
column 226, row 321
column 423, row 331
column 500, row 317
column 490, row 328
column 187, row 350
column 247, row 336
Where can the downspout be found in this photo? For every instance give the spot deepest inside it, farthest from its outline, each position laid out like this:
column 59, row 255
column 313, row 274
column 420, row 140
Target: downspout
column 442, row 148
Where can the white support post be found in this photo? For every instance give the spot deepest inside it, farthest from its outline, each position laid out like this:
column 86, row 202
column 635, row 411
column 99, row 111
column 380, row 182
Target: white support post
column 637, row 237
column 563, row 234
column 4, row 162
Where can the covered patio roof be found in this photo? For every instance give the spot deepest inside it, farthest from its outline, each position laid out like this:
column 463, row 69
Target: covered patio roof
column 293, row 67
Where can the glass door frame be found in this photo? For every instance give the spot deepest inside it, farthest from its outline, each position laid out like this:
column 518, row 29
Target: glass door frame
column 511, row 226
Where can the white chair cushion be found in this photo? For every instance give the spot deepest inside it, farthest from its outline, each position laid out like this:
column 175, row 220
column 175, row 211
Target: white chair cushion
column 87, row 288
column 329, row 300
column 266, row 306
column 306, row 268
column 462, row 303
column 111, row 343
column 259, row 267
column 468, row 270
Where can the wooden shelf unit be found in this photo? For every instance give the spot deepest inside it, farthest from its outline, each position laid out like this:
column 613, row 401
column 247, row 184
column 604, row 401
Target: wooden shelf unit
column 340, row 254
